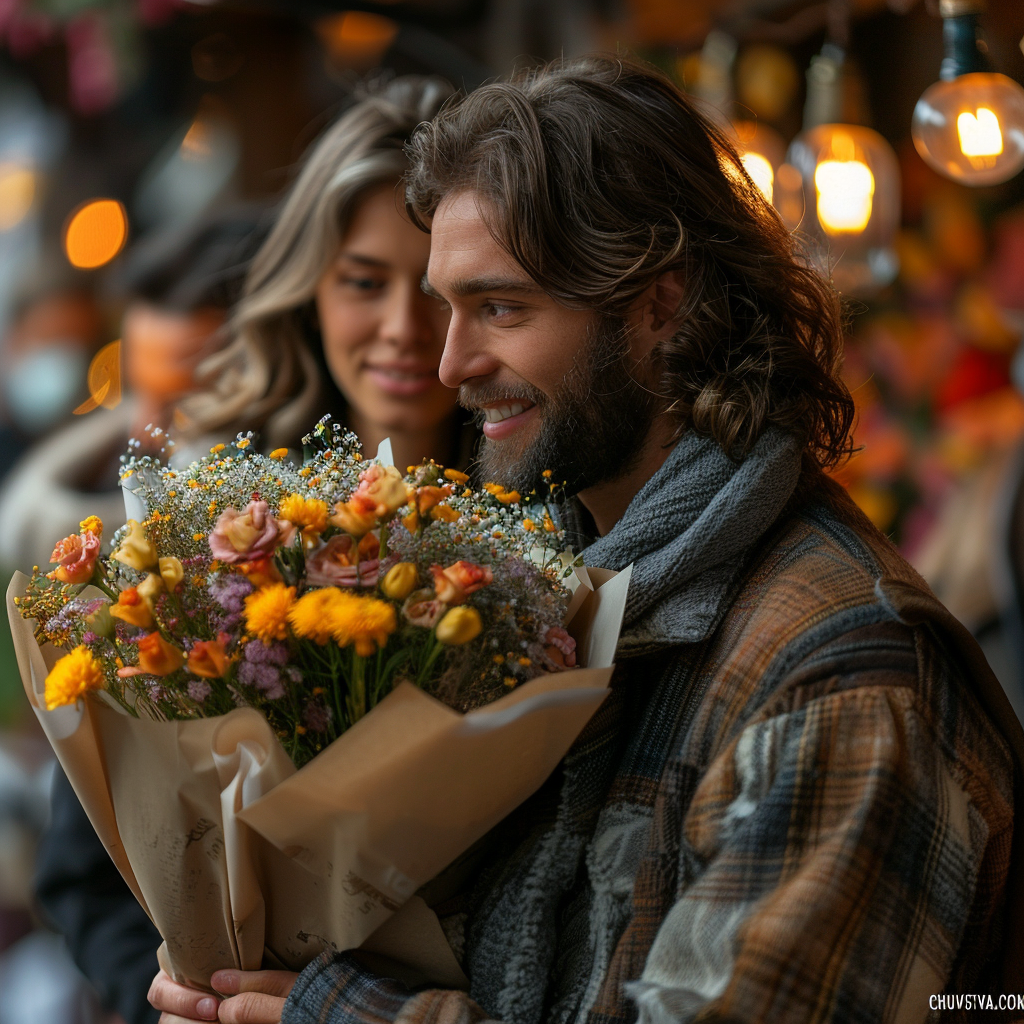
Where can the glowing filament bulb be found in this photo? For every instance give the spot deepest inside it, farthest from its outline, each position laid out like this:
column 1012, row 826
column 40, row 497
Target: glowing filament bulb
column 845, row 188
column 760, row 170
column 981, row 139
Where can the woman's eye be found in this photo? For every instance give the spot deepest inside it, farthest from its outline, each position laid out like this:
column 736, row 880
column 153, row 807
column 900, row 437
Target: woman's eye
column 362, row 284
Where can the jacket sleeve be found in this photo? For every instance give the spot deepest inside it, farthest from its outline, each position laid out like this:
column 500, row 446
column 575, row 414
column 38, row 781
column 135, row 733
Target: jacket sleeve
column 835, row 850
column 82, row 893
column 337, row 989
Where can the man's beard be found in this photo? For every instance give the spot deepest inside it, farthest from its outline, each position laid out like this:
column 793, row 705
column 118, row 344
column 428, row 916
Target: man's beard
column 590, row 429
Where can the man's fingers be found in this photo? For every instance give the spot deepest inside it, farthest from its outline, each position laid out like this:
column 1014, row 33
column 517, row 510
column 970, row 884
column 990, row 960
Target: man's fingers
column 173, row 1018
column 252, row 1008
column 271, row 983
column 178, row 1001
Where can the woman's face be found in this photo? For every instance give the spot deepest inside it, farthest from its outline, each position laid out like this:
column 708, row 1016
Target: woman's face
column 382, row 336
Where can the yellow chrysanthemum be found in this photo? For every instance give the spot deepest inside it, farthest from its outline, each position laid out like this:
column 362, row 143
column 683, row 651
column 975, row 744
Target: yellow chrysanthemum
column 93, row 524
column 507, row 497
column 267, row 610
column 305, row 513
column 72, row 677
column 366, row 622
column 312, row 616
column 279, row 453
column 455, row 476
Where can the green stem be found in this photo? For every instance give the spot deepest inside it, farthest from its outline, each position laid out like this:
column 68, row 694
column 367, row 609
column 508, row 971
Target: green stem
column 357, row 689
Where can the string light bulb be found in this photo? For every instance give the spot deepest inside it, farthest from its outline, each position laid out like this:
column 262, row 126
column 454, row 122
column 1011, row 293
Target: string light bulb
column 840, row 187
column 761, row 150
column 969, row 125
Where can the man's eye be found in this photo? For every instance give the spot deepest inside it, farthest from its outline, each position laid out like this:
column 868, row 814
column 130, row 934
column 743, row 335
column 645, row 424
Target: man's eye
column 496, row 311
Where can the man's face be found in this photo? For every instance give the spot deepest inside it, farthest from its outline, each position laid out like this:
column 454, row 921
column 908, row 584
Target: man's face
column 556, row 388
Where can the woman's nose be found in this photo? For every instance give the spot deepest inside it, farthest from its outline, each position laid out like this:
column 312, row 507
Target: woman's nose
column 407, row 318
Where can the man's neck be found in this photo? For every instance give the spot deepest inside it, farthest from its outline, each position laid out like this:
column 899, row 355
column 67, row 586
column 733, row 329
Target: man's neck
column 607, row 502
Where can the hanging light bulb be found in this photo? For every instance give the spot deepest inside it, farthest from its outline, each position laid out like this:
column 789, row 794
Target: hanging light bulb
column 840, row 186
column 761, row 150
column 969, row 125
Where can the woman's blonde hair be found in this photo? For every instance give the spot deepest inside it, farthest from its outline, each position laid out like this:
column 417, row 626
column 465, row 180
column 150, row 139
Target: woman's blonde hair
column 268, row 378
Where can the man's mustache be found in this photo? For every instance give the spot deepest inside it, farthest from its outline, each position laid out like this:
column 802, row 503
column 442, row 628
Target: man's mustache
column 474, row 396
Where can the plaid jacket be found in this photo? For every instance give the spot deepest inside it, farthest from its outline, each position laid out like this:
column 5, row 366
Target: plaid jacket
column 807, row 817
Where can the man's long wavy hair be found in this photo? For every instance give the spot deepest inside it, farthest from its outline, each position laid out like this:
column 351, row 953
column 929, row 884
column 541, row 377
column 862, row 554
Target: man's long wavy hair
column 598, row 176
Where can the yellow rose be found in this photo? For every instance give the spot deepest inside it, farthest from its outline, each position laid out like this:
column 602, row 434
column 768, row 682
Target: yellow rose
column 136, row 550
column 384, row 487
column 400, row 581
column 354, row 520
column 459, row 626
column 171, row 571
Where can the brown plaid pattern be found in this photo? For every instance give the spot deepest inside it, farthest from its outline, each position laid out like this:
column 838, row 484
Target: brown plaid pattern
column 826, row 814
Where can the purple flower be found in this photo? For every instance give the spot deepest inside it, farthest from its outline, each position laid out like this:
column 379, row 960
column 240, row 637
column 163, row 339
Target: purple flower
column 261, row 666
column 317, row 716
column 199, row 690
column 229, row 590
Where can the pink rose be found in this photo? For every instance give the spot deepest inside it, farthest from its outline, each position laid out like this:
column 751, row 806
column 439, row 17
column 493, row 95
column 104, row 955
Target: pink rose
column 334, row 565
column 77, row 556
column 422, row 608
column 247, row 536
column 560, row 649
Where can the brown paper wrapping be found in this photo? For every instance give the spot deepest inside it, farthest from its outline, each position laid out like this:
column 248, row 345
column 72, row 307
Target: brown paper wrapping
column 242, row 861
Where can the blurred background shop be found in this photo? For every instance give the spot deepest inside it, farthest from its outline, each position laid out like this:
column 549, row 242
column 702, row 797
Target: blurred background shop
column 144, row 142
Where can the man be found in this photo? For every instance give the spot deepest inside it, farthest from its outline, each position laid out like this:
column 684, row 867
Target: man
column 798, row 802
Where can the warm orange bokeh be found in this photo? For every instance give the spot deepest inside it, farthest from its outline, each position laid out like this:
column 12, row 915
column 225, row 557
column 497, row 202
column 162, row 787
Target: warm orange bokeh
column 96, row 233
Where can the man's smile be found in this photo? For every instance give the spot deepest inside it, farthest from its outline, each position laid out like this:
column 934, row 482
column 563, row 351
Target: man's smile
column 503, row 418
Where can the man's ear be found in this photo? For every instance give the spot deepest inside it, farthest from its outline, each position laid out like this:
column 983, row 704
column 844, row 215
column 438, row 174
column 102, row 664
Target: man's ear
column 666, row 297
column 654, row 317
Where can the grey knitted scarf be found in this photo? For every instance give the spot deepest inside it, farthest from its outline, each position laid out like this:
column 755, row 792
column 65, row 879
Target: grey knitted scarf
column 689, row 533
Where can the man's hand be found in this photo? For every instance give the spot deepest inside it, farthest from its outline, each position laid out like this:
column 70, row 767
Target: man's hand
column 252, row 997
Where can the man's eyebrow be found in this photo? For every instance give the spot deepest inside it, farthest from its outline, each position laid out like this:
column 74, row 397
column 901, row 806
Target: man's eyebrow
column 464, row 286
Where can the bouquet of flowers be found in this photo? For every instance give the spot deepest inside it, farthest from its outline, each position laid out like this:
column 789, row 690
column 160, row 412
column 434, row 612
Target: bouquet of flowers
column 291, row 695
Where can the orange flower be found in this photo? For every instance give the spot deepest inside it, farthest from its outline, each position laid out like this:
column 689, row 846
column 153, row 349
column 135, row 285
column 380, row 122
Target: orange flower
column 261, row 573
column 428, row 497
column 132, row 608
column 458, row 581
column 158, row 657
column 208, row 658
column 445, row 513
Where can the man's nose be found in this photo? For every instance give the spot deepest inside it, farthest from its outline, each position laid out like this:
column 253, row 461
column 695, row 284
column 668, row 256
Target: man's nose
column 465, row 356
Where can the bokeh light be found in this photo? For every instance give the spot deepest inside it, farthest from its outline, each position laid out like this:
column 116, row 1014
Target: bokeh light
column 96, row 233
column 104, row 379
column 17, row 193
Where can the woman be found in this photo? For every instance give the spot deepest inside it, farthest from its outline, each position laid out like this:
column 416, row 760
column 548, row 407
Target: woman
column 333, row 318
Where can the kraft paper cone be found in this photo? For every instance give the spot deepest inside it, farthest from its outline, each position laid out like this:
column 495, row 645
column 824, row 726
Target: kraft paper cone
column 240, row 860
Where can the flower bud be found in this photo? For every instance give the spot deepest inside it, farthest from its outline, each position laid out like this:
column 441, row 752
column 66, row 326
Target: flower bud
column 171, row 571
column 400, row 581
column 150, row 589
column 459, row 625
